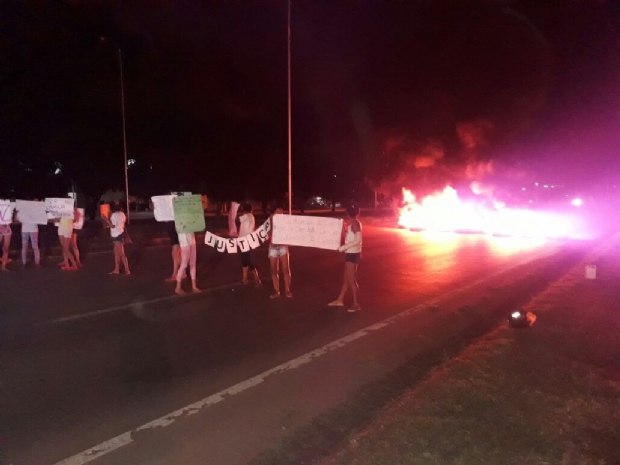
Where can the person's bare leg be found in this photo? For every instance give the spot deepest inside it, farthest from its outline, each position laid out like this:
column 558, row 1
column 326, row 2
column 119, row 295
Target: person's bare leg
column 245, row 274
column 339, row 302
column 275, row 279
column 257, row 280
column 192, row 268
column 124, row 259
column 185, row 256
column 76, row 251
column 117, row 258
column 176, row 262
column 352, row 278
column 69, row 259
column 286, row 271
column 6, row 243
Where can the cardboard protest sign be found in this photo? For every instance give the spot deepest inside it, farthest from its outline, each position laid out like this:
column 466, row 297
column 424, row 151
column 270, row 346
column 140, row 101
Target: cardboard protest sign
column 6, row 212
column 188, row 214
column 31, row 212
column 79, row 219
column 59, row 207
column 231, row 245
column 307, row 231
column 235, row 244
column 164, row 209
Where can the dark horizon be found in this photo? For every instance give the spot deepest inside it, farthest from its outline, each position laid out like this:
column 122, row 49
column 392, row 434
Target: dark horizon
column 386, row 94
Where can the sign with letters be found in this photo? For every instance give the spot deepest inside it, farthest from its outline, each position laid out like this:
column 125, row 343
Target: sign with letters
column 307, row 231
column 6, row 211
column 239, row 244
column 59, row 207
column 188, row 214
column 31, row 212
column 164, row 209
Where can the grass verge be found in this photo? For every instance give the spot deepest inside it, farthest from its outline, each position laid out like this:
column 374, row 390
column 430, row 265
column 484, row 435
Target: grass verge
column 545, row 395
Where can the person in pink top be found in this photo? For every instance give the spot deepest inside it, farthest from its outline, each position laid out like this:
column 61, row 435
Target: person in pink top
column 246, row 227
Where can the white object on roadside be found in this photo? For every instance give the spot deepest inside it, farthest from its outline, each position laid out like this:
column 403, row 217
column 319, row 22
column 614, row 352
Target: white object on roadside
column 590, row 271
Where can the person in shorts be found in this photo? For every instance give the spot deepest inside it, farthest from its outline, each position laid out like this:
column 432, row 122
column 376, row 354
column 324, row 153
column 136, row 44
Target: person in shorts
column 279, row 256
column 116, row 222
column 352, row 249
column 65, row 235
column 246, row 227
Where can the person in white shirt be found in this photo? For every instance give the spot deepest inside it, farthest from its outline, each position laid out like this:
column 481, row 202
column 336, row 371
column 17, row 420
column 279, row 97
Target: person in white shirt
column 352, row 249
column 246, row 227
column 65, row 231
column 187, row 242
column 117, row 232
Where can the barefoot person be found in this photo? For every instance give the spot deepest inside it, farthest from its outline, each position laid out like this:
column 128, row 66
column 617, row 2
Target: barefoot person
column 352, row 249
column 187, row 242
column 278, row 255
column 246, row 227
column 65, row 232
column 117, row 232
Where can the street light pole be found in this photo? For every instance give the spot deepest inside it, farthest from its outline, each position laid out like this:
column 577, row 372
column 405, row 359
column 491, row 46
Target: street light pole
column 120, row 68
column 290, row 177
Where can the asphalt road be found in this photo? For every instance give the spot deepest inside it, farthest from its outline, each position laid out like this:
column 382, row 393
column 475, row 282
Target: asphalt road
column 118, row 369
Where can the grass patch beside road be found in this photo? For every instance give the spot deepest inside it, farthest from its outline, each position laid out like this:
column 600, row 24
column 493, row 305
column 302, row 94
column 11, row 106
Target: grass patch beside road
column 545, row 395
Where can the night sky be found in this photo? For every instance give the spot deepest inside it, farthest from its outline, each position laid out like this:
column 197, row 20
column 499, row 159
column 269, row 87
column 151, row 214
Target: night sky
column 386, row 94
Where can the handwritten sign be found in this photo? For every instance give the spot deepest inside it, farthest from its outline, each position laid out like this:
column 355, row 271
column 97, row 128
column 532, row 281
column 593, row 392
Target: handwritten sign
column 6, row 212
column 164, row 210
column 79, row 219
column 188, row 214
column 307, row 231
column 31, row 212
column 59, row 207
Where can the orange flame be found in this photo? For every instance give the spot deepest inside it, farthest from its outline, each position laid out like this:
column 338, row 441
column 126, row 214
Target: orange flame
column 445, row 211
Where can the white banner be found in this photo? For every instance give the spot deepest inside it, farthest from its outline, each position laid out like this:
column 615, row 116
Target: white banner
column 59, row 207
column 31, row 212
column 164, row 210
column 307, row 231
column 6, row 211
column 236, row 244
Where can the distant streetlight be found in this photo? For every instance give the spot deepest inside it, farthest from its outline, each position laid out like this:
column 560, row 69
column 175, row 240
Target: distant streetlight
column 104, row 39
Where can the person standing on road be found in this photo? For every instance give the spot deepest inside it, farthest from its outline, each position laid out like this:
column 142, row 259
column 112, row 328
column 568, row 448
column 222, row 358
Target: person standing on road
column 116, row 222
column 65, row 232
column 246, row 227
column 176, row 252
column 352, row 249
column 187, row 242
column 278, row 255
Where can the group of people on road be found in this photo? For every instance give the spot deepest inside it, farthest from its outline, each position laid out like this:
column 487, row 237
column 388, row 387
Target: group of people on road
column 184, row 251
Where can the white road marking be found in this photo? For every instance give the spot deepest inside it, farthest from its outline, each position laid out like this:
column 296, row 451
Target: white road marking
column 191, row 409
column 117, row 308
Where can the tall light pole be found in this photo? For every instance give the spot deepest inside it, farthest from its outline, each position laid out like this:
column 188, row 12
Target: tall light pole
column 290, row 177
column 104, row 39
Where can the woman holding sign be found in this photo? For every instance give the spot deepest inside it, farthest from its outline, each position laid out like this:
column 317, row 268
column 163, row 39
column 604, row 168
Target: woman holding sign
column 187, row 241
column 117, row 231
column 246, row 227
column 278, row 255
column 352, row 249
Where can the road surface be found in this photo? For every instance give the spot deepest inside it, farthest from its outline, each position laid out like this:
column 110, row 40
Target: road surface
column 111, row 369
